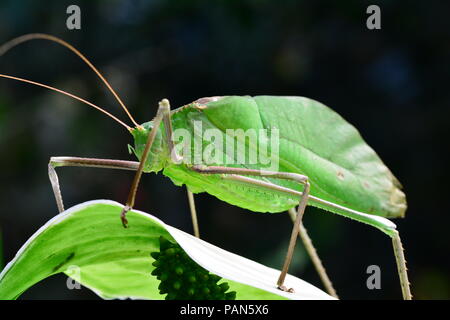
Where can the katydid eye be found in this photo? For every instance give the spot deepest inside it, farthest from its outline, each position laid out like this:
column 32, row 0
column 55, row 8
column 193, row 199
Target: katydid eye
column 181, row 278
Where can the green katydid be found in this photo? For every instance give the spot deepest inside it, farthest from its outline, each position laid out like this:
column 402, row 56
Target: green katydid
column 321, row 160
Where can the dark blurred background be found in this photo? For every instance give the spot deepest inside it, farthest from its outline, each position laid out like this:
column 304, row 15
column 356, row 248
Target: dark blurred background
column 392, row 84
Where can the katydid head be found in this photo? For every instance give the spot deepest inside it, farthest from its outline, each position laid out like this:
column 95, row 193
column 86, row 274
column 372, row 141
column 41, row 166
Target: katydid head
column 158, row 155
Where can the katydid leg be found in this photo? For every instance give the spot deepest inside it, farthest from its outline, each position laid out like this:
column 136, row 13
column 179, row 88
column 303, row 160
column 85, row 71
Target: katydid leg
column 401, row 265
column 312, row 252
column 82, row 162
column 295, row 232
column 106, row 164
column 237, row 174
column 251, row 172
column 193, row 213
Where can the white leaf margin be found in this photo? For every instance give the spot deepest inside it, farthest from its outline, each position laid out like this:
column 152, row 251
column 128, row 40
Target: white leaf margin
column 218, row 261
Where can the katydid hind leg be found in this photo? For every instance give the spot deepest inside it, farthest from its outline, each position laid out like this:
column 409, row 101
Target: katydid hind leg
column 400, row 260
column 82, row 162
column 303, row 233
column 387, row 229
column 238, row 174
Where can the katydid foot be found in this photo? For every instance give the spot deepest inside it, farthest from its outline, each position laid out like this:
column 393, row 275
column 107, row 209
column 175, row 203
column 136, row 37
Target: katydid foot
column 285, row 289
column 123, row 215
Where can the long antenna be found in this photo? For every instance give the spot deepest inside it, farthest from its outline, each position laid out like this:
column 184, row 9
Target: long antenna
column 31, row 36
column 68, row 94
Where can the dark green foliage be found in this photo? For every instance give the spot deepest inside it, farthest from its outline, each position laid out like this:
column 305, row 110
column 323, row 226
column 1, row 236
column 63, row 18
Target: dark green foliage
column 183, row 279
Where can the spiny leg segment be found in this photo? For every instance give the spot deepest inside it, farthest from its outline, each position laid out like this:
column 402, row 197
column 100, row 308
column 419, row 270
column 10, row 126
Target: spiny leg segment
column 193, row 213
column 399, row 253
column 105, row 164
column 82, row 162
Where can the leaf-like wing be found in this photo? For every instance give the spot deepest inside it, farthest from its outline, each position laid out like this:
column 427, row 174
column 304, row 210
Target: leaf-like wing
column 317, row 142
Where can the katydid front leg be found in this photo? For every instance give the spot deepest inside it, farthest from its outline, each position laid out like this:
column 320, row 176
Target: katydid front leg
column 82, row 162
column 163, row 114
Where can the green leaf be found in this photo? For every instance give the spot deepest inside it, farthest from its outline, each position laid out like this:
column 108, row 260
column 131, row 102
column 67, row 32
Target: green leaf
column 89, row 243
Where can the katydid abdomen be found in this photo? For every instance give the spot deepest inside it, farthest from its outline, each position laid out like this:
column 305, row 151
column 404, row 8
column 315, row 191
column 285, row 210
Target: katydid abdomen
column 313, row 141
